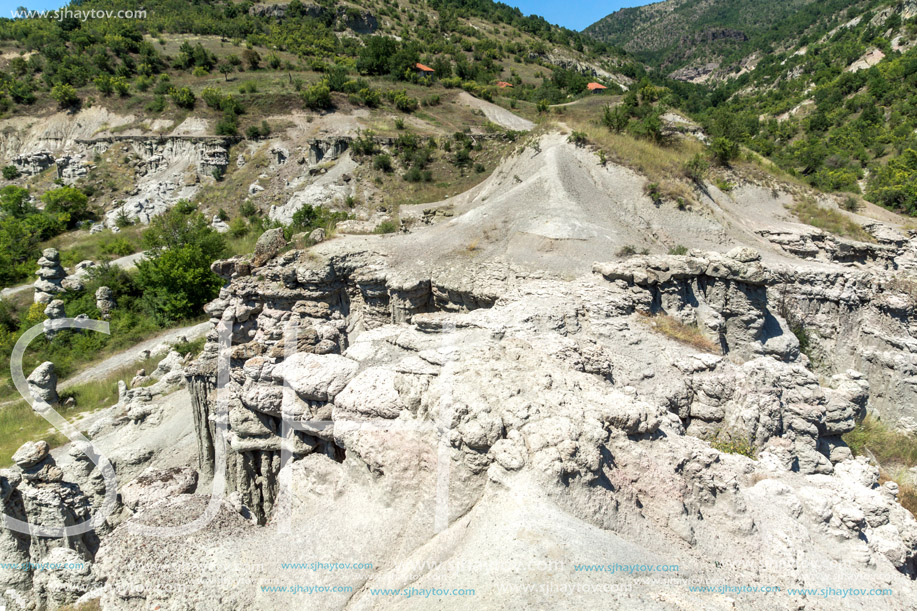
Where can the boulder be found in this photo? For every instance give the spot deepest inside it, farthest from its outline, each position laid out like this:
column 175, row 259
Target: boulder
column 31, row 453
column 43, row 386
column 268, row 246
column 158, row 484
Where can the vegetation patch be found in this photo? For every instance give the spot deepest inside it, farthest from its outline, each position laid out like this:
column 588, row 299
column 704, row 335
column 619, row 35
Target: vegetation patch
column 734, row 445
column 832, row 221
column 894, row 451
column 689, row 335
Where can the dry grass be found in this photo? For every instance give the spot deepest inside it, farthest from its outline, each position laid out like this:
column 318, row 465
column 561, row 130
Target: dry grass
column 658, row 163
column 895, row 453
column 827, row 219
column 690, row 335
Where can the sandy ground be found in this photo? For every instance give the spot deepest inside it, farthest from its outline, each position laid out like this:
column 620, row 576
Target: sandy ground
column 135, row 354
column 497, row 114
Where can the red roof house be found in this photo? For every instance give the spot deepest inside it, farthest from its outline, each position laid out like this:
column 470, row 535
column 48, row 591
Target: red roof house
column 424, row 70
column 595, row 87
column 503, row 84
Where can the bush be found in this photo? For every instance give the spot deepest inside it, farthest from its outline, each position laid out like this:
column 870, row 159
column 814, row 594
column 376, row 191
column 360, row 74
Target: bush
column 317, row 97
column 615, row 119
column 724, row 150
column 248, row 209
column 696, row 168
column 734, row 446
column 369, row 97
column 228, row 125
column 578, row 138
column 311, row 217
column 10, row 172
column 678, row 250
column 382, row 162
column 118, row 247
column 416, row 175
column 238, row 227
column 850, row 204
column 388, row 226
column 157, row 105
column 65, row 95
column 405, row 103
column 183, row 98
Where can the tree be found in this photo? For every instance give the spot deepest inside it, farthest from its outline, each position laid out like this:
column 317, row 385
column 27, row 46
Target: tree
column 175, row 277
column 225, row 70
column 14, row 201
column 67, row 200
column 375, row 56
column 10, row 172
column 724, row 150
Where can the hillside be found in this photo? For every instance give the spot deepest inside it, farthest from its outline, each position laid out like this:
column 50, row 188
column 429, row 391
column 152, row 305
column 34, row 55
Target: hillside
column 834, row 108
column 391, row 290
column 698, row 35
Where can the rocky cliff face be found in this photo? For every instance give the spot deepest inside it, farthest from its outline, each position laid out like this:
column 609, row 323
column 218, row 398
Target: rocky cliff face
column 506, row 384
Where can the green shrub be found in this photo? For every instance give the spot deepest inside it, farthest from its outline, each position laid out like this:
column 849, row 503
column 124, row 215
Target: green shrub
column 734, row 446
column 383, row 162
column 65, row 95
column 238, row 227
column 696, row 168
column 405, row 103
column 183, row 97
column 615, row 119
column 118, row 247
column 387, row 226
column 228, row 125
column 175, row 277
column 678, row 250
column 157, row 105
column 310, row 217
column 653, row 191
column 317, row 97
column 10, row 172
column 69, row 201
column 578, row 138
column 724, row 150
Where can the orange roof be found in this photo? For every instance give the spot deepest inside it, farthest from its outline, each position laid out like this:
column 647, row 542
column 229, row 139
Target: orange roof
column 503, row 84
column 424, row 68
column 595, row 87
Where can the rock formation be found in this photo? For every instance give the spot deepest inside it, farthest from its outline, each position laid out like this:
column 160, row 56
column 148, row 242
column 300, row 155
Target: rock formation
column 50, row 276
column 105, row 302
column 54, row 311
column 43, row 386
column 53, row 571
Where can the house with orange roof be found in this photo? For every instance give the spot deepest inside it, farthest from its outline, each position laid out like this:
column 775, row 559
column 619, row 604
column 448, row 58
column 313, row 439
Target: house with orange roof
column 595, row 87
column 423, row 70
column 503, row 84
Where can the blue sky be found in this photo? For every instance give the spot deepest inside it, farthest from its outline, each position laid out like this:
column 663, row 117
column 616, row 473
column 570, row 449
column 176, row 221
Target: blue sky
column 574, row 14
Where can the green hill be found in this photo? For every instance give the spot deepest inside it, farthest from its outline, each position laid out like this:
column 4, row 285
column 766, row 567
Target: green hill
column 679, row 33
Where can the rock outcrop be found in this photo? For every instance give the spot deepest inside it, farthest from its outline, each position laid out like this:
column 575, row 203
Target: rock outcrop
column 50, row 276
column 379, row 380
column 48, row 571
column 43, row 386
column 105, row 301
